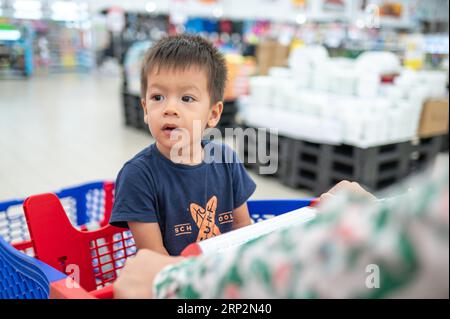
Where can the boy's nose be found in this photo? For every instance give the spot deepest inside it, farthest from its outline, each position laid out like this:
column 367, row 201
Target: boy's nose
column 171, row 110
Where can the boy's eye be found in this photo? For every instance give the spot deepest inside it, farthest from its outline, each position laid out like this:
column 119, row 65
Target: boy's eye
column 157, row 97
column 187, row 99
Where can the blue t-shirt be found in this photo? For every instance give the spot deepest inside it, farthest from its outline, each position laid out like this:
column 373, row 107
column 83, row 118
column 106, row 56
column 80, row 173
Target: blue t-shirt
column 190, row 203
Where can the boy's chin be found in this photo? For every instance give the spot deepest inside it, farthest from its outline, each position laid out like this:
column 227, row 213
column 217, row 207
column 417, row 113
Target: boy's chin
column 169, row 144
column 173, row 146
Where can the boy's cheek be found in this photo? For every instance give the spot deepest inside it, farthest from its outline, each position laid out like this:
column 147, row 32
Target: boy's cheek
column 153, row 131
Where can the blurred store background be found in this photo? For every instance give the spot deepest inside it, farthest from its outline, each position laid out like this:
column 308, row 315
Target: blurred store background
column 353, row 89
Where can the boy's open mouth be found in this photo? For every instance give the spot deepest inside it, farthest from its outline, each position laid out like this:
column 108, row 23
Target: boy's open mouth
column 169, row 127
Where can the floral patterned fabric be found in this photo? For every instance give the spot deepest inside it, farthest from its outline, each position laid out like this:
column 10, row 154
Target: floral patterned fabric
column 391, row 248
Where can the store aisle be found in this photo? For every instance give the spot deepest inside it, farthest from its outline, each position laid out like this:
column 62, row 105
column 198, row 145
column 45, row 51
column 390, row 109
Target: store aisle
column 60, row 130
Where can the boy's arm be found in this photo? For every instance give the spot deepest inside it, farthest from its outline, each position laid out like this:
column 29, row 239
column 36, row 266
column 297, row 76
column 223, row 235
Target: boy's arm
column 241, row 217
column 148, row 236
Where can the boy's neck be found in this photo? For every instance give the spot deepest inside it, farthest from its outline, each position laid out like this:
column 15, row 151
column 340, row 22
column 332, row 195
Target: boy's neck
column 193, row 156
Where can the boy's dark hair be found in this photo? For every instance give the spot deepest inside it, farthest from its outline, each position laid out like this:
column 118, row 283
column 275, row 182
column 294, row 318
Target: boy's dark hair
column 183, row 51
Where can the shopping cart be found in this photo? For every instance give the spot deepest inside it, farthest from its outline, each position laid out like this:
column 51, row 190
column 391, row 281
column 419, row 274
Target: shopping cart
column 95, row 258
column 23, row 277
column 87, row 206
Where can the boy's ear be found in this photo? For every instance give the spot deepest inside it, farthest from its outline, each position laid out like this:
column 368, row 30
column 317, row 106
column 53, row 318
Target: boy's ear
column 214, row 114
column 144, row 107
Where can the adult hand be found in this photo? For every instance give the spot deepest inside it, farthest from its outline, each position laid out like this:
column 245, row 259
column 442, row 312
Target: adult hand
column 346, row 186
column 136, row 279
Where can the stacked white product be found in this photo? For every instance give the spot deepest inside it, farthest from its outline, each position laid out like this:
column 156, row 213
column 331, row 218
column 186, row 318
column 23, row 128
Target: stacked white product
column 132, row 66
column 305, row 62
column 436, row 82
column 282, row 83
column 261, row 88
column 345, row 101
column 342, row 77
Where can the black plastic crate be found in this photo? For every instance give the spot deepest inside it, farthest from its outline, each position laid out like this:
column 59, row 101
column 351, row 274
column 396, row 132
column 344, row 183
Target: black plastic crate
column 228, row 118
column 318, row 167
column 276, row 155
column 424, row 151
column 444, row 143
column 133, row 112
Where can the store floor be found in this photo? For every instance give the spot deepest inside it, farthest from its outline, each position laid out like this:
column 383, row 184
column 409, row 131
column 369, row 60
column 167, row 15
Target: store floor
column 61, row 130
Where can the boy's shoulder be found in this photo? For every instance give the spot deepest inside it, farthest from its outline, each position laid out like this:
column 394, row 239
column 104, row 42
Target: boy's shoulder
column 141, row 159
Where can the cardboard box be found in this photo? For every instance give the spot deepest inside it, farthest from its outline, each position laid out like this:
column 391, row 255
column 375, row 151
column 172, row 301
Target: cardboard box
column 270, row 53
column 434, row 118
column 281, row 55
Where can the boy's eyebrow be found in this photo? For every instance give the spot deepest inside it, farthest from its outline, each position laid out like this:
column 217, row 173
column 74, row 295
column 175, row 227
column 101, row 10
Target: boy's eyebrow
column 189, row 87
column 156, row 86
column 184, row 87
